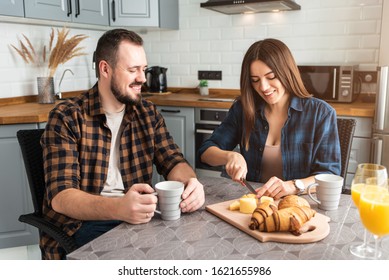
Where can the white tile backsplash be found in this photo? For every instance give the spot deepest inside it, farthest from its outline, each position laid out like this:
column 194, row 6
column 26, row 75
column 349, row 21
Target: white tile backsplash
column 19, row 78
column 323, row 31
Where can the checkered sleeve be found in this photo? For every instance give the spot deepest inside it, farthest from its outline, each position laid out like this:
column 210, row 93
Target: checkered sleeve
column 60, row 154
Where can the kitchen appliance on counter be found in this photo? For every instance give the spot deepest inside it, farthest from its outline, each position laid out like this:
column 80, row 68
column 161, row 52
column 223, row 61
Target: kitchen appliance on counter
column 380, row 147
column 156, row 80
column 332, row 83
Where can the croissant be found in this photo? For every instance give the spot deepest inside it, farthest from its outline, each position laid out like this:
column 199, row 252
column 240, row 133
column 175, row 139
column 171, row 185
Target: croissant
column 292, row 200
column 264, row 210
column 291, row 216
column 288, row 219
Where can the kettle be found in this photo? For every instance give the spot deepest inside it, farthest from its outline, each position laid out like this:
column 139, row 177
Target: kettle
column 156, row 79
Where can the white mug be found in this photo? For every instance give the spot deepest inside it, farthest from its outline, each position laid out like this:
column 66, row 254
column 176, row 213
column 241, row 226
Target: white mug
column 328, row 191
column 169, row 198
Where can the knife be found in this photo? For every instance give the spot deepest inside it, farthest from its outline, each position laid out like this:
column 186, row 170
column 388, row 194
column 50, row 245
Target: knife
column 248, row 185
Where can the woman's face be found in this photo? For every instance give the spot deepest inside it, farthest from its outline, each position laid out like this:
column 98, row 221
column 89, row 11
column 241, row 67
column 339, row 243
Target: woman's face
column 265, row 82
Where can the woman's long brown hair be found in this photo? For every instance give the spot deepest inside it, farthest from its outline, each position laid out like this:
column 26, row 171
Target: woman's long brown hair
column 277, row 56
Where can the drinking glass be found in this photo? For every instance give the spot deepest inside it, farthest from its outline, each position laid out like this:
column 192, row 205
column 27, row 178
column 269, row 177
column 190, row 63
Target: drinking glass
column 367, row 176
column 374, row 212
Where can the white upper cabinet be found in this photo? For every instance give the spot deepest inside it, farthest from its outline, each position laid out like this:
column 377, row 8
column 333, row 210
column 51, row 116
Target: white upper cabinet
column 144, row 13
column 12, row 8
column 78, row 11
column 91, row 12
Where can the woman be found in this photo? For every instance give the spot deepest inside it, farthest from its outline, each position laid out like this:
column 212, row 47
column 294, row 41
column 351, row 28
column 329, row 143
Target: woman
column 286, row 136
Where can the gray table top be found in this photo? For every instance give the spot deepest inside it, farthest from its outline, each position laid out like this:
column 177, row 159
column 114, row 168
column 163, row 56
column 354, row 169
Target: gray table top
column 202, row 236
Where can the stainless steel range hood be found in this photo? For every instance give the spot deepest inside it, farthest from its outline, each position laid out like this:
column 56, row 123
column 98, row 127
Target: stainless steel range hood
column 230, row 7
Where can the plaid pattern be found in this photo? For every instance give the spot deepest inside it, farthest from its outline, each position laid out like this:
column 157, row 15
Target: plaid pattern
column 76, row 147
column 309, row 139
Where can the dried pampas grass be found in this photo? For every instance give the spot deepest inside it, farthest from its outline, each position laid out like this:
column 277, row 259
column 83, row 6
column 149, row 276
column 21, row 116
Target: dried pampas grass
column 64, row 49
column 26, row 52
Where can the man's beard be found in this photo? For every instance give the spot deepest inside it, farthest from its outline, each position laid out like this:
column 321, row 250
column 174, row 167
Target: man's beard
column 124, row 98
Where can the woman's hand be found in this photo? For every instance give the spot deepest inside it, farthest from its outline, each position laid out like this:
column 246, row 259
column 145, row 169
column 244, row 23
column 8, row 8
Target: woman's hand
column 277, row 188
column 236, row 166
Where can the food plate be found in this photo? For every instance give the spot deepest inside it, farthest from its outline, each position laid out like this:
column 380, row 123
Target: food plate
column 318, row 227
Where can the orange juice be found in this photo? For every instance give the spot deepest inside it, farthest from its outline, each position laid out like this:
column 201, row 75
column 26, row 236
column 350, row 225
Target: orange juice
column 356, row 190
column 374, row 212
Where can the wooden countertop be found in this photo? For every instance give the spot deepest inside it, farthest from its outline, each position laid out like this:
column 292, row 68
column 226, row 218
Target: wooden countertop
column 355, row 109
column 27, row 110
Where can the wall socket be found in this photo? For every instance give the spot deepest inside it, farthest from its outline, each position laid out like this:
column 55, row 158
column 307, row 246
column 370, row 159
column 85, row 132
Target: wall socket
column 209, row 75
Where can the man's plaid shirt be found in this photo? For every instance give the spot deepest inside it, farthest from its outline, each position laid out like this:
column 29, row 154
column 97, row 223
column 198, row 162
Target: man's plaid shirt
column 76, row 148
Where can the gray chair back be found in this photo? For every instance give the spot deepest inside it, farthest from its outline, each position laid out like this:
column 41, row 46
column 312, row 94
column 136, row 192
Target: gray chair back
column 346, row 129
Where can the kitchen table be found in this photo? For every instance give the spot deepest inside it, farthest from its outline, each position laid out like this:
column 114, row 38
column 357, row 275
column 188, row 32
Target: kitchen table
column 202, row 236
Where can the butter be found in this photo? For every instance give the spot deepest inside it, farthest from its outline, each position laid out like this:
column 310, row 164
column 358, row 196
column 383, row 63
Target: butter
column 247, row 205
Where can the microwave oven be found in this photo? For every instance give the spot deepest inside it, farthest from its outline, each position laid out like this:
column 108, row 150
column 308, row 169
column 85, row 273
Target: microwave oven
column 334, row 83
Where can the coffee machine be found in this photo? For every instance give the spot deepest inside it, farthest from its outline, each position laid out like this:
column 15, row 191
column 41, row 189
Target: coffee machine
column 156, row 79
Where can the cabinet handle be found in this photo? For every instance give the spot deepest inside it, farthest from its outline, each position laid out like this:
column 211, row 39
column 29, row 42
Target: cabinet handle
column 204, row 131
column 77, row 8
column 69, row 7
column 171, row 111
column 113, row 10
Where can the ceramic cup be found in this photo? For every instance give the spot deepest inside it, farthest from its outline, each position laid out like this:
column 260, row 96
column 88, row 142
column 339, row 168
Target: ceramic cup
column 169, row 197
column 328, row 191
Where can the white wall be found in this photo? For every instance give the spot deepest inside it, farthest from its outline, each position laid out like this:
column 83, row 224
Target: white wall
column 323, row 31
column 384, row 45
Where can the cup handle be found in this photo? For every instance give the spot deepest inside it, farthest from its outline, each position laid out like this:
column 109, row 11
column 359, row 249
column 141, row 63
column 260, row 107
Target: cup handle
column 156, row 211
column 309, row 192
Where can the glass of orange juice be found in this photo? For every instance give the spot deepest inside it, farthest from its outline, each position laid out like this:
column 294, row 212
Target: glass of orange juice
column 368, row 176
column 374, row 212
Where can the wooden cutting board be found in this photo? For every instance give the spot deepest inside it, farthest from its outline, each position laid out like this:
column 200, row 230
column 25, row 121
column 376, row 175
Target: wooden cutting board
column 318, row 225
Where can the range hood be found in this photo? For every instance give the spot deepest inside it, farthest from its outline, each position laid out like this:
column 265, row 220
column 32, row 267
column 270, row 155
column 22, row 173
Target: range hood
column 230, row 7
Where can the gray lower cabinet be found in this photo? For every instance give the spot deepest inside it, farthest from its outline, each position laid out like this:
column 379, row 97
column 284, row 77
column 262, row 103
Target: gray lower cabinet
column 12, row 8
column 180, row 123
column 77, row 11
column 361, row 146
column 15, row 198
column 144, row 13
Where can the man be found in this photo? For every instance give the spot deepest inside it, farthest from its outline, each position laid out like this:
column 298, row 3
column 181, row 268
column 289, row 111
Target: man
column 99, row 149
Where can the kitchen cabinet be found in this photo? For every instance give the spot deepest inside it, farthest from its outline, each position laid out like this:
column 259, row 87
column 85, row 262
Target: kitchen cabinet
column 77, row 11
column 180, row 123
column 361, row 146
column 144, row 13
column 12, row 8
column 15, row 198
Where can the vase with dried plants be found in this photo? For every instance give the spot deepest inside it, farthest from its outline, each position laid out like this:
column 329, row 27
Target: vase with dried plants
column 60, row 50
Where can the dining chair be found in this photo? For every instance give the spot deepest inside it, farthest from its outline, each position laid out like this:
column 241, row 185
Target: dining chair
column 29, row 142
column 346, row 128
